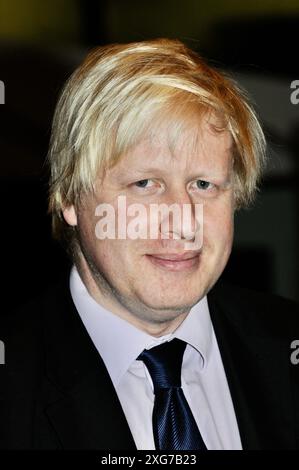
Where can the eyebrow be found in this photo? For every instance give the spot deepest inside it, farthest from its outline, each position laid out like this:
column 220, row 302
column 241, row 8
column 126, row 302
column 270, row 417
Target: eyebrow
column 150, row 170
column 136, row 172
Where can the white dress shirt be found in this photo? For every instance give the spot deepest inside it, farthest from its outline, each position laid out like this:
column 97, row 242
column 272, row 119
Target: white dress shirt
column 203, row 378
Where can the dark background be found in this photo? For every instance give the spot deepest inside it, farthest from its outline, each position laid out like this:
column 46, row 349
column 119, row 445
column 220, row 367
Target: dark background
column 41, row 42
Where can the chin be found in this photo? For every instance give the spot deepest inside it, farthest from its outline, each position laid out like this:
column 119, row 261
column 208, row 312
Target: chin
column 171, row 303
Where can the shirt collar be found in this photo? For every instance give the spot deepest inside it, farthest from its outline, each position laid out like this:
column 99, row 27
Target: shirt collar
column 119, row 342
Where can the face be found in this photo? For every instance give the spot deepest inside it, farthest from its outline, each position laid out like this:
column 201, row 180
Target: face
column 145, row 280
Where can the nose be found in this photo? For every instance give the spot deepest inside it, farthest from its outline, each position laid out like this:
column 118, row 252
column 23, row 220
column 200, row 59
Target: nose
column 181, row 219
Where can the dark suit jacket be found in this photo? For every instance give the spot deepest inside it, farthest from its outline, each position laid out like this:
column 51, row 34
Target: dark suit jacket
column 56, row 392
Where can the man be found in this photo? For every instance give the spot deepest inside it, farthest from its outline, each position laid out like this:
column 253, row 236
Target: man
column 143, row 347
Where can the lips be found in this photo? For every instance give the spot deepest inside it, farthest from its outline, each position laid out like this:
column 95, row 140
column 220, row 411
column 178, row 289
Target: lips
column 176, row 257
column 175, row 262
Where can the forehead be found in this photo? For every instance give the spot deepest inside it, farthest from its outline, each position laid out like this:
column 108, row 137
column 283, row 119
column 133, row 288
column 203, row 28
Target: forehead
column 195, row 139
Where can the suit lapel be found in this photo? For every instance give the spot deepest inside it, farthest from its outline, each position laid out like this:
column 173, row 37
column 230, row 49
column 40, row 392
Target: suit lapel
column 80, row 400
column 257, row 370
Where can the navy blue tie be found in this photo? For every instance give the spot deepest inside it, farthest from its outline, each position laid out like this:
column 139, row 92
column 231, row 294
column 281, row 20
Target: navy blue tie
column 174, row 426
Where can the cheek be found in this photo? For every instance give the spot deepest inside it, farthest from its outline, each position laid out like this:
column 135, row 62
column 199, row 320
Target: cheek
column 86, row 225
column 95, row 249
column 114, row 257
column 218, row 224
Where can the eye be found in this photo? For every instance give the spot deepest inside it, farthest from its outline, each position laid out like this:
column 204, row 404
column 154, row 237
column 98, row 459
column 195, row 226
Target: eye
column 204, row 188
column 202, row 184
column 142, row 183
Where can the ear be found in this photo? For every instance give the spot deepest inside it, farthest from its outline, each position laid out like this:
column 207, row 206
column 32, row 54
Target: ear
column 70, row 216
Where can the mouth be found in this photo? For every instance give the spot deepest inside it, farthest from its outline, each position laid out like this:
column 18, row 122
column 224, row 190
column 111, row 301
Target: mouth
column 175, row 262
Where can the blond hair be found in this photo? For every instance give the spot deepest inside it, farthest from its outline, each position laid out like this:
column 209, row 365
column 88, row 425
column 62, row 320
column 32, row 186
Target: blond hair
column 109, row 100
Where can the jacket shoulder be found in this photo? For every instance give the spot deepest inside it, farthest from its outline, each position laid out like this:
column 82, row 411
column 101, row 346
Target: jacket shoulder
column 22, row 329
column 258, row 312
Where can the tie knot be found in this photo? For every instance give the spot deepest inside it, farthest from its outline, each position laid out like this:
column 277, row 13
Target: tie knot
column 164, row 363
